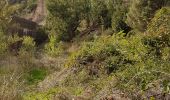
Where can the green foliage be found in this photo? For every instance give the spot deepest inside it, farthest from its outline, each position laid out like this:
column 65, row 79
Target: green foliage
column 6, row 10
column 112, row 50
column 138, row 63
column 66, row 16
column 36, row 75
column 68, row 13
column 101, row 12
column 35, row 96
column 158, row 34
column 45, row 95
column 141, row 12
column 28, row 44
column 28, row 47
column 99, row 48
column 54, row 48
column 119, row 11
column 151, row 70
column 58, row 28
column 126, row 57
column 160, row 24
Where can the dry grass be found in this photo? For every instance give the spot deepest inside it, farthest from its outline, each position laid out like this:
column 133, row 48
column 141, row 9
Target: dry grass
column 10, row 83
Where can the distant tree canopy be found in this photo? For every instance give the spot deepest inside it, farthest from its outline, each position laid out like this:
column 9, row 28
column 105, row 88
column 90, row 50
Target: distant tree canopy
column 65, row 16
column 142, row 11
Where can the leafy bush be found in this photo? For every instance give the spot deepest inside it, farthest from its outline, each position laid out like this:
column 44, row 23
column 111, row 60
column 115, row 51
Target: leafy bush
column 28, row 47
column 97, row 49
column 36, row 75
column 119, row 12
column 125, row 57
column 160, row 25
column 53, row 48
column 158, row 33
column 68, row 14
column 152, row 71
column 56, row 29
column 104, row 48
column 6, row 10
column 141, row 12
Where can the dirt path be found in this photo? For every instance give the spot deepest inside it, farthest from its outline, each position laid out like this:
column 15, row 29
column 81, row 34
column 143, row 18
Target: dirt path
column 56, row 77
column 53, row 80
column 40, row 12
column 29, row 23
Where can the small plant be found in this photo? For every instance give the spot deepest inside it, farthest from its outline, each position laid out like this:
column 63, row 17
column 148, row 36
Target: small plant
column 28, row 44
column 54, row 48
column 36, row 75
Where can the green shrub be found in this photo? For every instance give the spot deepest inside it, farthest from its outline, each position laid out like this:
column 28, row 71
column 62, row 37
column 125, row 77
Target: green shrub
column 54, row 48
column 119, row 12
column 58, row 28
column 152, row 70
column 6, row 10
column 28, row 47
column 125, row 57
column 67, row 15
column 35, row 75
column 160, row 24
column 106, row 48
column 158, row 33
column 98, row 49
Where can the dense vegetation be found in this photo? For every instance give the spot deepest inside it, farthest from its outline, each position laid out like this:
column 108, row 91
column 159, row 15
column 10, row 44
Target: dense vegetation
column 86, row 50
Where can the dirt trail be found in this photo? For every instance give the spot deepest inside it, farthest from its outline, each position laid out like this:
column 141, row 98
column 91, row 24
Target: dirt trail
column 28, row 25
column 58, row 76
column 40, row 12
column 54, row 79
